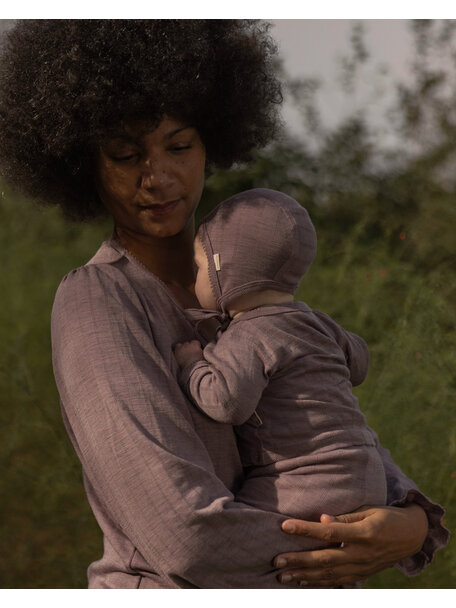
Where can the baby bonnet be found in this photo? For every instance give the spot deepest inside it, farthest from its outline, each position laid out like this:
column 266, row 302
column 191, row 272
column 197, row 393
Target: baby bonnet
column 256, row 240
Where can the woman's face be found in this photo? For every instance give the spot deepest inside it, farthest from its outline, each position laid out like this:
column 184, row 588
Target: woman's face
column 151, row 181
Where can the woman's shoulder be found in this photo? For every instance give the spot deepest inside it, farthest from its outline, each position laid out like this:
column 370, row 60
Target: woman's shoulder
column 104, row 276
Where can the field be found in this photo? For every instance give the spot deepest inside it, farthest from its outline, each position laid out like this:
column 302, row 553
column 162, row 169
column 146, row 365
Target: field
column 48, row 533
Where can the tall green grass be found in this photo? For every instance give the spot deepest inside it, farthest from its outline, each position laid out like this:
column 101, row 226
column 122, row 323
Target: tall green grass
column 408, row 321
column 48, row 533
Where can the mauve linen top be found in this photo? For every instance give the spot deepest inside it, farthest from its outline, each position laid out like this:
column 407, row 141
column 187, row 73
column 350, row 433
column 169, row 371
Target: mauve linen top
column 159, row 474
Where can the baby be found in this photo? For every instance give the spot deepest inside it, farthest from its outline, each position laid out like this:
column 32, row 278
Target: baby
column 280, row 372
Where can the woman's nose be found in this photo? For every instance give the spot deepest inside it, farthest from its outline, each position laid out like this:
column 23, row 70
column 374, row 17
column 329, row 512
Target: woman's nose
column 153, row 174
column 148, row 179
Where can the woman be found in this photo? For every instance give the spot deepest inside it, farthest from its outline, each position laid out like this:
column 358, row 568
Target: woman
column 124, row 117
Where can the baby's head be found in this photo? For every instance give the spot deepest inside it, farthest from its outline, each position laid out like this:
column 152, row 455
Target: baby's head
column 256, row 241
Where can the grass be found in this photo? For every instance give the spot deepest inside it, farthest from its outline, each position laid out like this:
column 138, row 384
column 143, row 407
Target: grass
column 47, row 529
column 48, row 532
column 408, row 321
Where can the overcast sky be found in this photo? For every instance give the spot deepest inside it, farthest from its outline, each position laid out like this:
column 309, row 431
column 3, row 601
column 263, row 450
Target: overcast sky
column 313, row 48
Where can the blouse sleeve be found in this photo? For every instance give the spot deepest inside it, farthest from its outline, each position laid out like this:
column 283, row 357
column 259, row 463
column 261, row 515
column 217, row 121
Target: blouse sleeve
column 401, row 491
column 139, row 449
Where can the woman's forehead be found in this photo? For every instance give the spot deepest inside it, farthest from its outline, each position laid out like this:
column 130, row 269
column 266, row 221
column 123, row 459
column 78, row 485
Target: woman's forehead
column 135, row 130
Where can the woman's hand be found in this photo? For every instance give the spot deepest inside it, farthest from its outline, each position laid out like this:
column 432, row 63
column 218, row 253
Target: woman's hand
column 372, row 539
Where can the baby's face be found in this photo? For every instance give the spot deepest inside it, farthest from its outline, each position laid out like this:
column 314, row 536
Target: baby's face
column 203, row 289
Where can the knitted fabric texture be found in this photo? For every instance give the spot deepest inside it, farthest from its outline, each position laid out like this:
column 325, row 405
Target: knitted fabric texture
column 256, row 240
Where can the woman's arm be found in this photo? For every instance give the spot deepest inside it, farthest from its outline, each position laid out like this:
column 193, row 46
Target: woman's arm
column 139, row 448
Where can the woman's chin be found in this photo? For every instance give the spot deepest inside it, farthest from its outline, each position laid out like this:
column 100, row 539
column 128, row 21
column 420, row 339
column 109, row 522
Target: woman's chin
column 168, row 231
column 169, row 227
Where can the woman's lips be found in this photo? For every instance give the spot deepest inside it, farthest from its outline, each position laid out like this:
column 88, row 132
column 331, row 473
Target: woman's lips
column 160, row 208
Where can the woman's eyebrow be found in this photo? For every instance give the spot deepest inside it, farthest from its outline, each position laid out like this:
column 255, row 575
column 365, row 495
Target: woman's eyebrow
column 135, row 138
column 176, row 131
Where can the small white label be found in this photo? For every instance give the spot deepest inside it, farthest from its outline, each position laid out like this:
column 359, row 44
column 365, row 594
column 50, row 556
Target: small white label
column 217, row 261
column 255, row 419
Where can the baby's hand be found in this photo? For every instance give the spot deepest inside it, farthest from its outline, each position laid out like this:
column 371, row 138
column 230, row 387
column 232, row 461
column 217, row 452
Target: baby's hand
column 188, row 352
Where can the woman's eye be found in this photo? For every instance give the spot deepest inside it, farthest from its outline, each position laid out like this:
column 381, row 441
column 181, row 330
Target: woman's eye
column 180, row 147
column 125, row 157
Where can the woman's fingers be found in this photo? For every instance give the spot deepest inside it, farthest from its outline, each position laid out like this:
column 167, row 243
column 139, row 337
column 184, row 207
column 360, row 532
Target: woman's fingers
column 330, row 570
column 329, row 576
column 367, row 542
column 326, row 560
column 333, row 532
column 324, row 578
column 318, row 559
column 355, row 556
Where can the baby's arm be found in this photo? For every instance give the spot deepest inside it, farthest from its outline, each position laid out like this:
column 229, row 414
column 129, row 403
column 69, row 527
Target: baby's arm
column 227, row 382
column 356, row 355
column 354, row 347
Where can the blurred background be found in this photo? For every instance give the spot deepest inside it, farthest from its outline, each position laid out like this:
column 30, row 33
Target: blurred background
column 369, row 148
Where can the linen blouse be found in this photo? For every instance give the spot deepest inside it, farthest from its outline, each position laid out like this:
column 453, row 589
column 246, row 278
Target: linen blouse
column 161, row 476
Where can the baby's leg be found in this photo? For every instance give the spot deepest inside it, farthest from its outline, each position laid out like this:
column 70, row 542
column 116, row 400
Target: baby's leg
column 339, row 481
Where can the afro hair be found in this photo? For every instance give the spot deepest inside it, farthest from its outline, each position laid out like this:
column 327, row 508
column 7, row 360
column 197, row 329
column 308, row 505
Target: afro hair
column 66, row 85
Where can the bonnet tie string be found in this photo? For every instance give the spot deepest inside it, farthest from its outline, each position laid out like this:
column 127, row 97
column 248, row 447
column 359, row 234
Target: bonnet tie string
column 198, row 316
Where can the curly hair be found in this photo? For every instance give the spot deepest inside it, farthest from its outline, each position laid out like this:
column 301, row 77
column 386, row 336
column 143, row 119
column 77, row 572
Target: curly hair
column 66, row 85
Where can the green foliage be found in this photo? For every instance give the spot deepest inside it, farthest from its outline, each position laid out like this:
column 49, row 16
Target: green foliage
column 409, row 324
column 47, row 530
column 385, row 269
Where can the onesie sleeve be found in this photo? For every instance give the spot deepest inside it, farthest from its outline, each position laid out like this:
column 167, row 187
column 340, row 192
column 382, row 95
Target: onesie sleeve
column 139, row 449
column 400, row 491
column 354, row 347
column 228, row 383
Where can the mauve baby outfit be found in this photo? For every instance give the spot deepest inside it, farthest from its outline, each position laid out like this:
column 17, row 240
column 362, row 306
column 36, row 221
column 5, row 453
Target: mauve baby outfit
column 284, row 373
column 160, row 475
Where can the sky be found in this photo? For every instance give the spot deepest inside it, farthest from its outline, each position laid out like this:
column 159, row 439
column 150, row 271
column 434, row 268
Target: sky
column 314, row 47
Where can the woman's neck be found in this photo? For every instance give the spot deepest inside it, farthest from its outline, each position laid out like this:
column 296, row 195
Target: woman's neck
column 170, row 259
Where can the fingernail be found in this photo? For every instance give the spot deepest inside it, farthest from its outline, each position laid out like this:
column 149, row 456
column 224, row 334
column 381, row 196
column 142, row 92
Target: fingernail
column 286, row 578
column 289, row 527
column 281, row 562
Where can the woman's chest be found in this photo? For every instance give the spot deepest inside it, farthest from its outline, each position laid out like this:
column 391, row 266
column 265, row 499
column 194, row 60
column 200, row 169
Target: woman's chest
column 168, row 325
